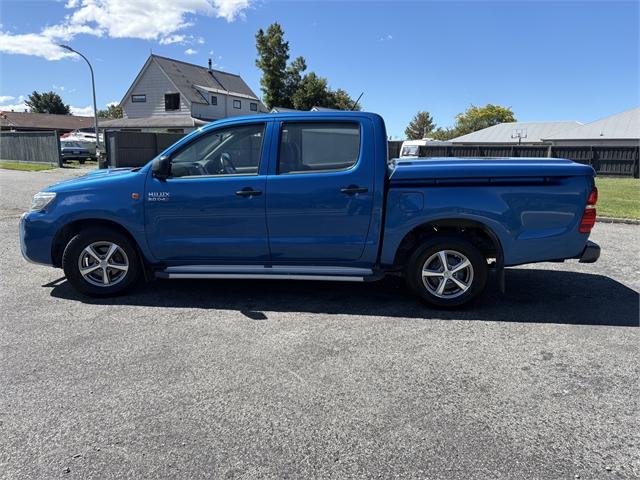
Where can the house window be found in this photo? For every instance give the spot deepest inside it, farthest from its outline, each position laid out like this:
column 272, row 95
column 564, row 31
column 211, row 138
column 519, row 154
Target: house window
column 253, row 107
column 214, row 100
column 172, row 101
column 138, row 98
column 237, row 104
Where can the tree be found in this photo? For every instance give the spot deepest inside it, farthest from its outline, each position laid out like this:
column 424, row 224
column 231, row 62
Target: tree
column 112, row 111
column 477, row 118
column 420, row 126
column 293, row 79
column 47, row 102
column 273, row 53
column 287, row 85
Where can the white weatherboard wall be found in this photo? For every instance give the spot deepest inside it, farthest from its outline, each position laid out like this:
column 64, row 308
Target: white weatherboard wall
column 215, row 112
column 154, row 84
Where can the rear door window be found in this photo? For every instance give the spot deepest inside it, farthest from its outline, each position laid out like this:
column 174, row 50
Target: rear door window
column 318, row 147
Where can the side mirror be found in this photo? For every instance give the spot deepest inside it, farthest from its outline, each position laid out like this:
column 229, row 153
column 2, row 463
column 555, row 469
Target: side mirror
column 161, row 168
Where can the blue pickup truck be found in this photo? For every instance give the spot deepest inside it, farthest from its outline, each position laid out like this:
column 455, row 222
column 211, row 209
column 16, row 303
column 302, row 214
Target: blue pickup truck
column 311, row 196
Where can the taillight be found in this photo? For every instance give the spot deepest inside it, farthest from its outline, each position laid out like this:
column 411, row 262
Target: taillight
column 589, row 215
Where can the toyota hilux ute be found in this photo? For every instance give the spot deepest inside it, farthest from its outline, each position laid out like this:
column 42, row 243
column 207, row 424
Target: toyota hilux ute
column 311, row 196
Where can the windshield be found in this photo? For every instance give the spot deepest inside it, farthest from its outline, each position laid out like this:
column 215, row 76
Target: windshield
column 71, row 145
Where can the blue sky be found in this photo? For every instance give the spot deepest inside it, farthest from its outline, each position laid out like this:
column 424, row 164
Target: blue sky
column 570, row 60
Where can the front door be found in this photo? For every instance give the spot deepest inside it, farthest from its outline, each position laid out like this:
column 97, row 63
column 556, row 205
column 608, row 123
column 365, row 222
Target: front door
column 320, row 197
column 212, row 208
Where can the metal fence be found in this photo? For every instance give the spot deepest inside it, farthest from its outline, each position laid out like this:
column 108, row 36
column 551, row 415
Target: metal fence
column 30, row 147
column 620, row 161
column 134, row 149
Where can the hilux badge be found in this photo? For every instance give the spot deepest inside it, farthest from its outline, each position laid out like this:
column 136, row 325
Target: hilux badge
column 158, row 196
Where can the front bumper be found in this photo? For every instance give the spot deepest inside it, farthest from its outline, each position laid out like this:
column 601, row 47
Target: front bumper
column 35, row 239
column 591, row 252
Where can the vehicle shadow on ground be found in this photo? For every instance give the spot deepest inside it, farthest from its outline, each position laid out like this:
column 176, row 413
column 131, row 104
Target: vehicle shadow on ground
column 538, row 296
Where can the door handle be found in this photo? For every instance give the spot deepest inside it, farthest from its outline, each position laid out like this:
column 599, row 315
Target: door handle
column 351, row 189
column 248, row 192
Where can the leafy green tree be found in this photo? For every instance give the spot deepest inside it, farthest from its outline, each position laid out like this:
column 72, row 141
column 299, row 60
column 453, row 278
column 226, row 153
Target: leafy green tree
column 420, row 126
column 47, row 102
column 112, row 111
column 287, row 85
column 477, row 118
column 293, row 79
column 444, row 133
column 273, row 54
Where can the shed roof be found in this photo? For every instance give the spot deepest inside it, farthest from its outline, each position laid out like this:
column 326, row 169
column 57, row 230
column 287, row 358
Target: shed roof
column 158, row 121
column 44, row 121
column 507, row 132
column 620, row 126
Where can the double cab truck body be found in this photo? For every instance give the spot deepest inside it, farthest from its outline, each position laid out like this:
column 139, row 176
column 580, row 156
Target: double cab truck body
column 311, row 196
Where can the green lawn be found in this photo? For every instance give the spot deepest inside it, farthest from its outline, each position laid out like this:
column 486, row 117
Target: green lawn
column 27, row 167
column 618, row 197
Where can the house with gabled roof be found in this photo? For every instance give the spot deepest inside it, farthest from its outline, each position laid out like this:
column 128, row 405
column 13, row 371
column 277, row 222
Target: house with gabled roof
column 176, row 96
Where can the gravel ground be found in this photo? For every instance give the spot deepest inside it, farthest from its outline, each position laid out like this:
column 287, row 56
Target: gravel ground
column 241, row 379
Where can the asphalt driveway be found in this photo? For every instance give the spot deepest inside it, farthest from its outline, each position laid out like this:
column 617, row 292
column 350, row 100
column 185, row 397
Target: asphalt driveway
column 249, row 379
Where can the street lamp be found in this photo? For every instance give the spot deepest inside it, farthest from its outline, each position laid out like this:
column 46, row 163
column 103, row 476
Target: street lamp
column 93, row 86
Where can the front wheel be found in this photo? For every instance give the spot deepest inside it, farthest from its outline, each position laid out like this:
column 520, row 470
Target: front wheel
column 101, row 262
column 447, row 271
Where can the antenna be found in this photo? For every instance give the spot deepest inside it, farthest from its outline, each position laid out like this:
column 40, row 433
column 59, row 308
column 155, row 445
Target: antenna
column 519, row 133
column 356, row 102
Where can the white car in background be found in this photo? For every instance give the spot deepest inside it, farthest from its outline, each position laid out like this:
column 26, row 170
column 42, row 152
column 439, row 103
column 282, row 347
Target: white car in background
column 85, row 139
column 411, row 148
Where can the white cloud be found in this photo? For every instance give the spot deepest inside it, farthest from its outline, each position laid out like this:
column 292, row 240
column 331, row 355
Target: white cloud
column 31, row 44
column 113, row 104
column 82, row 111
column 143, row 19
column 6, row 98
column 172, row 39
column 190, row 51
column 231, row 9
column 16, row 107
column 386, row 38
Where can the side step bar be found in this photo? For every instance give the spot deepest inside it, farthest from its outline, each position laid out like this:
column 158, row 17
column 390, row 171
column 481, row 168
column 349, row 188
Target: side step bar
column 276, row 272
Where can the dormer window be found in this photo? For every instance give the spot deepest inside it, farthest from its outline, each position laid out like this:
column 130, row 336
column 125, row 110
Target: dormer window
column 171, row 101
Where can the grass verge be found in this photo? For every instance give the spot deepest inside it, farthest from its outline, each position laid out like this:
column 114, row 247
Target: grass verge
column 618, row 197
column 26, row 167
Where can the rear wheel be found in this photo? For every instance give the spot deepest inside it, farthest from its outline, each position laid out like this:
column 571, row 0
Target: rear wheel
column 101, row 262
column 447, row 271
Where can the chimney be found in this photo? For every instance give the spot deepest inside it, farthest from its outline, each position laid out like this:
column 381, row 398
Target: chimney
column 209, row 65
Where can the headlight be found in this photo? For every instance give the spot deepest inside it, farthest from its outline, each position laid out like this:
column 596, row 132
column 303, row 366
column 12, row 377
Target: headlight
column 41, row 200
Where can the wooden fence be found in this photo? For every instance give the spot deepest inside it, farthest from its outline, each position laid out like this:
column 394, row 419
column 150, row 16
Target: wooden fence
column 134, row 149
column 31, row 147
column 620, row 161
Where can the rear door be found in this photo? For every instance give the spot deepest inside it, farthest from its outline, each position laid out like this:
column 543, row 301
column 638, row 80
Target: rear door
column 320, row 191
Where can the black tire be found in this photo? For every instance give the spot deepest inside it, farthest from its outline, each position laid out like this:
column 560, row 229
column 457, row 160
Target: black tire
column 428, row 256
column 101, row 239
column 82, row 160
